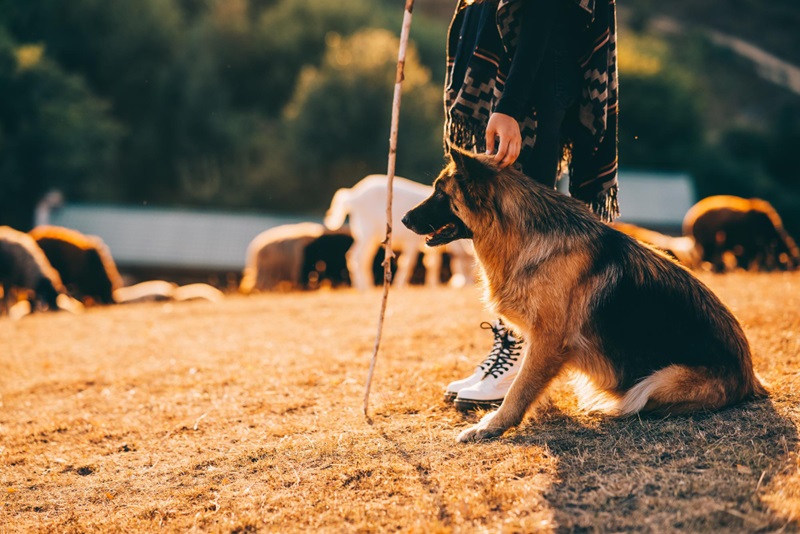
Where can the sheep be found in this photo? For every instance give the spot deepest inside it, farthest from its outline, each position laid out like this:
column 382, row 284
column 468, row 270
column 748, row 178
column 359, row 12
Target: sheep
column 84, row 262
column 162, row 290
column 275, row 257
column 23, row 266
column 149, row 291
column 681, row 248
column 365, row 204
column 324, row 263
column 734, row 232
column 198, row 291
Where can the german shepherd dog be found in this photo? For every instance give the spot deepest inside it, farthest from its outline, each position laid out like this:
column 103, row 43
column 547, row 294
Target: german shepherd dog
column 639, row 331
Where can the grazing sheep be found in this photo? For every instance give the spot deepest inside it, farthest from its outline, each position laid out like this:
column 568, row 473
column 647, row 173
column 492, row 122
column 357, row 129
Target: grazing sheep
column 681, row 248
column 149, row 291
column 84, row 262
column 161, row 290
column 324, row 263
column 734, row 232
column 23, row 266
column 198, row 292
column 275, row 257
column 365, row 204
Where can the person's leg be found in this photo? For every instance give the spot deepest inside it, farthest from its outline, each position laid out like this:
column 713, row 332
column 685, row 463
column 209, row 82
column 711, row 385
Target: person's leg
column 555, row 93
column 542, row 163
column 553, row 96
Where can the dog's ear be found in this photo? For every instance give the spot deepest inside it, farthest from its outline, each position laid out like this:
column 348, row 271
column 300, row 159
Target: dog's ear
column 472, row 167
column 474, row 175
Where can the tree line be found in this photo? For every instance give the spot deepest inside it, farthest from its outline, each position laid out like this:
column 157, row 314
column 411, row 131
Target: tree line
column 274, row 104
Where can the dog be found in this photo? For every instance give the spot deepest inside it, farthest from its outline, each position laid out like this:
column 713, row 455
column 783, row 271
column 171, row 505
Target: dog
column 365, row 204
column 637, row 329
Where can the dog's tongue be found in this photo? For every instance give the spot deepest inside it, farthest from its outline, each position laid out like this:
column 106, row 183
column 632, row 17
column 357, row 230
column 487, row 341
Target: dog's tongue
column 447, row 227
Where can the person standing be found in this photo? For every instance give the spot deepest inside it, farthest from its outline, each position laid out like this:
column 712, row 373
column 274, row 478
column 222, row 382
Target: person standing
column 533, row 82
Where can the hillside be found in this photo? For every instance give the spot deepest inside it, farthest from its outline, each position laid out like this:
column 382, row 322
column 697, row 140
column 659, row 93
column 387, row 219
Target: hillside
column 741, row 96
column 770, row 25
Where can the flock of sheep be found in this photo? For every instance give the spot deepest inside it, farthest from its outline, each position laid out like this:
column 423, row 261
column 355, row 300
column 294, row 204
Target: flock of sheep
column 720, row 233
column 723, row 233
column 54, row 268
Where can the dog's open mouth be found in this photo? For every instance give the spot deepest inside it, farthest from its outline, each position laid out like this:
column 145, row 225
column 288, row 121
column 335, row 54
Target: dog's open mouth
column 447, row 233
column 435, row 220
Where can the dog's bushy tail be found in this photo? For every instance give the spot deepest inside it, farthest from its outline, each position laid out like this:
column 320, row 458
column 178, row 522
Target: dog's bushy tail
column 340, row 207
column 682, row 389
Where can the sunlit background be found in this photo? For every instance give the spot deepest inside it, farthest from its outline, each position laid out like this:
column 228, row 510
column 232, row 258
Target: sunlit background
column 177, row 130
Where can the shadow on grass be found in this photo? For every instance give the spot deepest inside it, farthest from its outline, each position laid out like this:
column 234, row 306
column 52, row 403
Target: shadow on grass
column 706, row 472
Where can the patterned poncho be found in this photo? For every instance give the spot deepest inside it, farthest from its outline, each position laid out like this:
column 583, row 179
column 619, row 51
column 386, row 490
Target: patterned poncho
column 593, row 135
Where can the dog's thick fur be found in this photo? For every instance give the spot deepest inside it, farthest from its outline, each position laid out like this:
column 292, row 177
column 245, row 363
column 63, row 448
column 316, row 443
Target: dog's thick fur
column 640, row 330
column 365, row 203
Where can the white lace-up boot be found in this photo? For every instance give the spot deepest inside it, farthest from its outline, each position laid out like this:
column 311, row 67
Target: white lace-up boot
column 490, row 391
column 500, row 334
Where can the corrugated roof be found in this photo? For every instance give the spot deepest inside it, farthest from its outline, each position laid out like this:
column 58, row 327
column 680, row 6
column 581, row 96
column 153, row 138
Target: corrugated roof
column 160, row 237
column 653, row 198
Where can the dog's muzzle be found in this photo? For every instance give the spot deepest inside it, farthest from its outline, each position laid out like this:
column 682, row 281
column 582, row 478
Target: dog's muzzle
column 435, row 220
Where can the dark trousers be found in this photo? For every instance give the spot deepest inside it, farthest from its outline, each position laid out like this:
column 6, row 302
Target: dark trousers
column 556, row 91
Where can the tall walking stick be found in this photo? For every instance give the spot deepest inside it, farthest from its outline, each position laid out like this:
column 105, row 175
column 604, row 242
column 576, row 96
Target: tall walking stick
column 387, row 242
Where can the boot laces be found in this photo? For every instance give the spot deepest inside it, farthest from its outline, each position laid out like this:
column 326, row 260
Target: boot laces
column 499, row 331
column 505, row 350
column 506, row 356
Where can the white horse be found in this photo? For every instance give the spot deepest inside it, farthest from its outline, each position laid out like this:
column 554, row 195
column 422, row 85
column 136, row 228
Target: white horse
column 365, row 203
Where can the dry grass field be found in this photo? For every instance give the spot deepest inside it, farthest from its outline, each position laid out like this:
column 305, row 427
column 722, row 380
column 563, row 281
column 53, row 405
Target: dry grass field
column 245, row 416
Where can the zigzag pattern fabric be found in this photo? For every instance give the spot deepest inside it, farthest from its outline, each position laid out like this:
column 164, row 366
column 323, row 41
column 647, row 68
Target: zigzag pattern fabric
column 593, row 140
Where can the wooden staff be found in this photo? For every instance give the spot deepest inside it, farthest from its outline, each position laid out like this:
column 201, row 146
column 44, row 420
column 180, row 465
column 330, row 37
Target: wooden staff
column 387, row 242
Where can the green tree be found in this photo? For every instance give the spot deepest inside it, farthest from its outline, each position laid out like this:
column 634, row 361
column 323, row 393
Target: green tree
column 780, row 158
column 122, row 50
column 337, row 123
column 292, row 34
column 54, row 133
column 201, row 87
column 660, row 124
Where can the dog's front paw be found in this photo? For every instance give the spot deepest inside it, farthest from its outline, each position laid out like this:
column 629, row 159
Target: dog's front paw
column 478, row 434
column 483, row 431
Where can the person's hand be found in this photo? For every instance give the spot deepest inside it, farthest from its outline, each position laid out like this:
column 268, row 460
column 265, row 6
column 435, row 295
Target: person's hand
column 507, row 129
